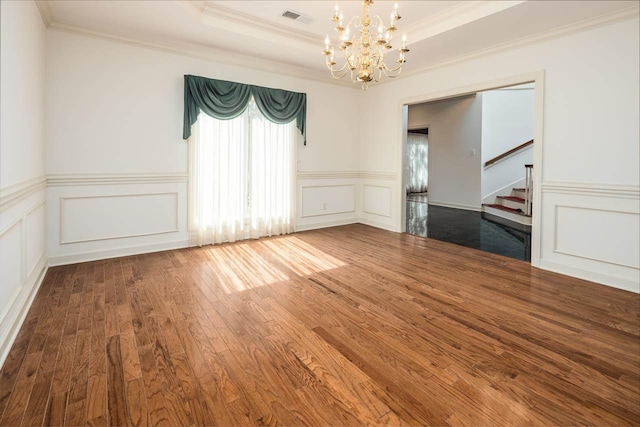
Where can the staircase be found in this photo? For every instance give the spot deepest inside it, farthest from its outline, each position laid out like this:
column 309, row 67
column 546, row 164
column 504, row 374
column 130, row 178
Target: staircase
column 514, row 208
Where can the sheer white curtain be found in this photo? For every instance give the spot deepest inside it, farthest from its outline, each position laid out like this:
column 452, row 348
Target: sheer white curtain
column 417, row 163
column 241, row 178
column 271, row 198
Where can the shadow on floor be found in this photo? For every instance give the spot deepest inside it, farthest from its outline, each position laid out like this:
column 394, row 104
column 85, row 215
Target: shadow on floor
column 466, row 228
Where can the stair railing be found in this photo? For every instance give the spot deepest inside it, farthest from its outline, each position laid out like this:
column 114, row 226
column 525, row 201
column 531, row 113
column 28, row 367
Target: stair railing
column 508, row 153
column 528, row 189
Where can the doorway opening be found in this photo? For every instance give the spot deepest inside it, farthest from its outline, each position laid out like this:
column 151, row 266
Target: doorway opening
column 478, row 171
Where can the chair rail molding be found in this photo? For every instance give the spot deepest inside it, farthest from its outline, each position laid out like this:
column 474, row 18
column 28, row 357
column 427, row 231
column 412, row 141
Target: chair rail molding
column 622, row 191
column 20, row 191
column 388, row 176
column 117, row 178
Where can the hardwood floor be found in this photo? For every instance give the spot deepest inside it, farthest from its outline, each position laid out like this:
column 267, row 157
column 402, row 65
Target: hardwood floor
column 344, row 326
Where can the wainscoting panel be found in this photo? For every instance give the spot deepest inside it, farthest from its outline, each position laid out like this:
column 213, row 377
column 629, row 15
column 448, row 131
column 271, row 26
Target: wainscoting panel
column 23, row 261
column 322, row 200
column 326, row 199
column 377, row 200
column 380, row 200
column 11, row 271
column 576, row 221
column 592, row 232
column 104, row 216
column 85, row 219
column 35, row 236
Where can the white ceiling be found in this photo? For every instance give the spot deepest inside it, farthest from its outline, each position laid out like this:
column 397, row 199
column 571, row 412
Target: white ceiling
column 255, row 32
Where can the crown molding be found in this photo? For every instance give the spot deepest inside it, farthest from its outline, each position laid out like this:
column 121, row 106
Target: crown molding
column 456, row 16
column 208, row 53
column 241, row 23
column 585, row 25
column 45, row 11
column 233, row 58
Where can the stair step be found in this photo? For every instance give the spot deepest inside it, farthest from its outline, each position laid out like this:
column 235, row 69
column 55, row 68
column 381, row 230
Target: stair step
column 505, row 208
column 519, row 192
column 512, row 198
column 515, row 215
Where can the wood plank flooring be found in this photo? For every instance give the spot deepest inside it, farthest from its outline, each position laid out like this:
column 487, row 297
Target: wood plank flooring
column 343, row 326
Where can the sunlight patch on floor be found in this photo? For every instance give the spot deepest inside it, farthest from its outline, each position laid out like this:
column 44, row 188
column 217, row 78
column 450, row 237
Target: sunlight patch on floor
column 242, row 266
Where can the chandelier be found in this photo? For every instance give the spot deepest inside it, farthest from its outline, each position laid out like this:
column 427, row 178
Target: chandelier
column 364, row 52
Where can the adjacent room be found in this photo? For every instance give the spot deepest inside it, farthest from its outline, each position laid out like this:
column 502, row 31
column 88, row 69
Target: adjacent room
column 303, row 213
column 482, row 173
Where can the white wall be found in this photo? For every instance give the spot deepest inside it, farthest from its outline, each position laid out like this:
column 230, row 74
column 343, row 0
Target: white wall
column 507, row 121
column 454, row 149
column 22, row 151
column 590, row 144
column 114, row 128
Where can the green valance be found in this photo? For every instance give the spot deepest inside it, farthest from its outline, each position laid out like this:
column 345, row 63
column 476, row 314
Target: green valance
column 227, row 100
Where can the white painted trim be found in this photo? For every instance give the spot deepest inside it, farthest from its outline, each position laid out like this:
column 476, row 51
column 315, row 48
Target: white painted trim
column 45, row 12
column 20, row 191
column 19, row 222
column 376, row 224
column 34, row 284
column 326, row 186
column 536, row 77
column 233, row 58
column 115, row 179
column 61, row 217
column 241, row 23
column 211, row 54
column 456, row 16
column 555, row 236
column 604, row 279
column 116, row 253
column 328, row 175
column 24, row 235
column 592, row 189
column 545, row 36
column 387, row 176
column 390, row 215
column 455, row 206
column 384, row 176
column 326, row 224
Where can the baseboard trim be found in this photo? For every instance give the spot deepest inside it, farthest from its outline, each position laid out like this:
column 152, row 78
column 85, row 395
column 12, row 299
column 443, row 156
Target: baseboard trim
column 117, row 253
column 16, row 322
column 455, row 206
column 603, row 279
column 377, row 224
column 326, row 224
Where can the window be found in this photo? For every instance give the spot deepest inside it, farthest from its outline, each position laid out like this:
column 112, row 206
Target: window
column 241, row 178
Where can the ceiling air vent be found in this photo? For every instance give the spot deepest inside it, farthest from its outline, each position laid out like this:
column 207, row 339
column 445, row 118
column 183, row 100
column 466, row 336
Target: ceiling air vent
column 297, row 16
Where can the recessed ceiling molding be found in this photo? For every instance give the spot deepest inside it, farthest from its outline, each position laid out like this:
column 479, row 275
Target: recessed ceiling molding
column 208, row 53
column 585, row 25
column 234, row 58
column 247, row 25
column 45, row 12
column 456, row 16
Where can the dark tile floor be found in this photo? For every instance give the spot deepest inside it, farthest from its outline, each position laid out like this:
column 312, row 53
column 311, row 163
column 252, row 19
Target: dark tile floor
column 466, row 228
